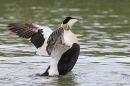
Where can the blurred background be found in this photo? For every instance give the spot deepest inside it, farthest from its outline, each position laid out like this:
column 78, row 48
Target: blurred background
column 104, row 36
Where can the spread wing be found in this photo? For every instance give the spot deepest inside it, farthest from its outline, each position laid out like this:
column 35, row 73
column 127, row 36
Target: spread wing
column 54, row 39
column 41, row 36
column 36, row 33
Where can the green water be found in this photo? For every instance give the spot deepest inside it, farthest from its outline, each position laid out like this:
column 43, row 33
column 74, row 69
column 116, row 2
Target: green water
column 104, row 36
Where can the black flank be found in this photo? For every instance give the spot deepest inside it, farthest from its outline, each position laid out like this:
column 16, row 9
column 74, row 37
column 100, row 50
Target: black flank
column 68, row 59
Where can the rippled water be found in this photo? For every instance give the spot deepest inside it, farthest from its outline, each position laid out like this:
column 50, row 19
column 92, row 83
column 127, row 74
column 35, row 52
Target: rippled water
column 104, row 36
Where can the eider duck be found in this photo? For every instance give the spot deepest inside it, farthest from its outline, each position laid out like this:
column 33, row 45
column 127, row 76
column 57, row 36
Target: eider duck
column 62, row 44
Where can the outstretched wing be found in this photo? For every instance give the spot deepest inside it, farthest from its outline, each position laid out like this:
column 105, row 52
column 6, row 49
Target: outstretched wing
column 36, row 33
column 54, row 39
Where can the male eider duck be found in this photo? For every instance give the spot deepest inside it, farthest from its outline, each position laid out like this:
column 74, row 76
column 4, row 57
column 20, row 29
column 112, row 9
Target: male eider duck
column 62, row 45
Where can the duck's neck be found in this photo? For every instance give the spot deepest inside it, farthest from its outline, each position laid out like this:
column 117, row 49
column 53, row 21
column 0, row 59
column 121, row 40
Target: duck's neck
column 70, row 37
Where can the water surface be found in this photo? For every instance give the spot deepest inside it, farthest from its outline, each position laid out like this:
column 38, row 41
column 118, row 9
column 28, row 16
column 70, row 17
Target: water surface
column 103, row 34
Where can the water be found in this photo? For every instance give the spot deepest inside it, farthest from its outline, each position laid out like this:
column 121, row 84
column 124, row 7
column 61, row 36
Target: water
column 103, row 34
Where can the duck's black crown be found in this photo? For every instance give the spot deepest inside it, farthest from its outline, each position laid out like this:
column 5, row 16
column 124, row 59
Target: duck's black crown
column 66, row 20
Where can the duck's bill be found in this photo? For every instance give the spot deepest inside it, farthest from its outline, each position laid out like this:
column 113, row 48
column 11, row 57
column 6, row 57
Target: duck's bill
column 79, row 18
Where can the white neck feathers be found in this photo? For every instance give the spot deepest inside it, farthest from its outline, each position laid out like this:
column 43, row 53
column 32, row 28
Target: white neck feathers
column 71, row 22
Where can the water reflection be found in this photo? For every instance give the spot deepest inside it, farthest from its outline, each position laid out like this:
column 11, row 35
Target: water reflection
column 63, row 80
column 66, row 80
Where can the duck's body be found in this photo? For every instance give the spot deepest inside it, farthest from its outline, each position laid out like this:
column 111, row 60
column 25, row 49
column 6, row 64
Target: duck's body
column 62, row 45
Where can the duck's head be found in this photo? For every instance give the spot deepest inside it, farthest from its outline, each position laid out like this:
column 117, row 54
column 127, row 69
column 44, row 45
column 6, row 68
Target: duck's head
column 68, row 22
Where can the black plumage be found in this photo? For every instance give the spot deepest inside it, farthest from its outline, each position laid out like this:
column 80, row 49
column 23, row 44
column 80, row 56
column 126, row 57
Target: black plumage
column 67, row 60
column 55, row 45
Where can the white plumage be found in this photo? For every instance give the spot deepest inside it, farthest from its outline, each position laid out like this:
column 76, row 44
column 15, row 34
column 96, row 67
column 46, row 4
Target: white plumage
column 46, row 32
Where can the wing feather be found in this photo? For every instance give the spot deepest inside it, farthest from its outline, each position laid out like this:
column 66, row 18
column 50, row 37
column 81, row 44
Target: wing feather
column 53, row 38
column 41, row 36
column 31, row 31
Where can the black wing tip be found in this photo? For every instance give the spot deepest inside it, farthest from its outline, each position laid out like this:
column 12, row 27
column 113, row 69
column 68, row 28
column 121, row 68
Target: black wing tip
column 28, row 31
column 10, row 25
column 24, row 30
column 13, row 24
